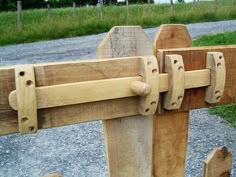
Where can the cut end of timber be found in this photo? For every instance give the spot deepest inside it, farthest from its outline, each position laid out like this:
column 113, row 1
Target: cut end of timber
column 12, row 100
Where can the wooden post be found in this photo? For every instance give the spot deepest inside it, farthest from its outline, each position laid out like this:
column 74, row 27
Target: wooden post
column 149, row 8
column 218, row 163
column 127, row 12
column 101, row 9
column 49, row 10
column 171, row 7
column 19, row 15
column 129, row 139
column 53, row 175
column 74, row 8
column 171, row 129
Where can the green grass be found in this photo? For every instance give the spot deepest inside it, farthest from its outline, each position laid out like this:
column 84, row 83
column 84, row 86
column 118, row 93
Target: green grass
column 227, row 38
column 37, row 26
column 228, row 112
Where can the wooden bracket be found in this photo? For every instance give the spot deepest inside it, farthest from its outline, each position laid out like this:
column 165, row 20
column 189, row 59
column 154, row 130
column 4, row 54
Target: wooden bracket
column 26, row 99
column 148, row 89
column 216, row 63
column 174, row 66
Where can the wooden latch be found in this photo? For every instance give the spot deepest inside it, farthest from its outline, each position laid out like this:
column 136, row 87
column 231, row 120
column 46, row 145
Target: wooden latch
column 216, row 63
column 26, row 99
column 148, row 84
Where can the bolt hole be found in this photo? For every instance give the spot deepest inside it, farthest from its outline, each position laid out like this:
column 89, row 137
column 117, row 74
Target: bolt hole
column 153, row 103
column 31, row 128
column 218, row 97
column 220, row 57
column 217, row 92
column 22, row 73
column 154, row 71
column 174, row 104
column 149, row 63
column 24, row 119
column 180, row 98
column 180, row 68
column 29, row 82
column 175, row 61
column 147, row 110
column 218, row 64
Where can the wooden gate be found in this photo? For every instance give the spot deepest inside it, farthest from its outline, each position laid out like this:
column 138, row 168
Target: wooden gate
column 142, row 91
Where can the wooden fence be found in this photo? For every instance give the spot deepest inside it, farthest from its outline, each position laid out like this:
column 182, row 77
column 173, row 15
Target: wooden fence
column 142, row 91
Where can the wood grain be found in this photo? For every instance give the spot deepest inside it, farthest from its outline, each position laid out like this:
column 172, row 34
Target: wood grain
column 171, row 135
column 128, row 139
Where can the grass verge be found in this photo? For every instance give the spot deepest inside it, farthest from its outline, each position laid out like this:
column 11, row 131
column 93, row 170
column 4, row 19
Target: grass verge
column 37, row 26
column 228, row 112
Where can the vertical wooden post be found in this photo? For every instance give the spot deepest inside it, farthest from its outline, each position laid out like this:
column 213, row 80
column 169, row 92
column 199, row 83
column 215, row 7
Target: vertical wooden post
column 216, row 4
column 218, row 163
column 129, row 139
column 171, row 129
column 19, row 15
column 101, row 9
column 149, row 7
column 74, row 8
column 49, row 10
column 171, row 7
column 127, row 12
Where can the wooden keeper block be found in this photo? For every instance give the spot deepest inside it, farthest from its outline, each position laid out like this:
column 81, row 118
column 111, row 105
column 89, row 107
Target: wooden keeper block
column 150, row 72
column 174, row 66
column 216, row 63
column 26, row 99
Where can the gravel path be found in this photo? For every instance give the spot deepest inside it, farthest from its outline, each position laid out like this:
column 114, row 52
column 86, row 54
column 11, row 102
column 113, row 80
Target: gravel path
column 78, row 150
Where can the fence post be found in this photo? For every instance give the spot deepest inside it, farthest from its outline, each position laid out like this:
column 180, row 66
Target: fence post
column 149, row 7
column 218, row 163
column 127, row 11
column 169, row 156
column 129, row 139
column 74, row 8
column 101, row 9
column 171, row 7
column 19, row 15
column 49, row 10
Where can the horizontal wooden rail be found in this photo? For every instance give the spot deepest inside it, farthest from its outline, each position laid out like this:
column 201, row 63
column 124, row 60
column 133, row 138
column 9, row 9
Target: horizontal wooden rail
column 90, row 74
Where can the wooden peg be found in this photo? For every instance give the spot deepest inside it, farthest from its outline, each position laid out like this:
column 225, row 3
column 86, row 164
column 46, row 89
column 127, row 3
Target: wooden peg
column 216, row 63
column 26, row 99
column 174, row 66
